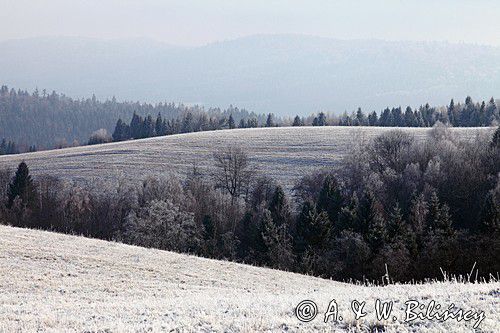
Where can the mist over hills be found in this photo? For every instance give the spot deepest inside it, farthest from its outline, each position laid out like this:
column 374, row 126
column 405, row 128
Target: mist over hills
column 284, row 74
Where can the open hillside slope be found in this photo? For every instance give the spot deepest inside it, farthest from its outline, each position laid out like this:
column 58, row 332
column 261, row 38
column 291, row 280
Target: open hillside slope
column 285, row 153
column 53, row 282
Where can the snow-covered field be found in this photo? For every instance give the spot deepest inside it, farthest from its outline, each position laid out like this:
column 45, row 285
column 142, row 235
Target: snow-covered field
column 285, row 153
column 58, row 283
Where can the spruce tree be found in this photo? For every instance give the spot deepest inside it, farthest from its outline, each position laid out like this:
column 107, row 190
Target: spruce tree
column 372, row 221
column 159, row 130
column 495, row 141
column 3, row 147
column 313, row 229
column 118, row 132
column 148, row 127
column 373, row 119
column 330, row 198
column 21, row 188
column 187, row 123
column 438, row 218
column 278, row 242
column 297, row 121
column 396, row 226
column 136, row 126
column 490, row 213
column 231, row 122
column 279, row 208
column 270, row 120
column 348, row 218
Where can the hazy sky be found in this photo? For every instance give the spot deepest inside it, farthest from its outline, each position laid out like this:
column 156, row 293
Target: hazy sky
column 194, row 22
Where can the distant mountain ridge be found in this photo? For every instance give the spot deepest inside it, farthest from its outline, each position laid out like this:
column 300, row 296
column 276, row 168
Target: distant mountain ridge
column 284, row 74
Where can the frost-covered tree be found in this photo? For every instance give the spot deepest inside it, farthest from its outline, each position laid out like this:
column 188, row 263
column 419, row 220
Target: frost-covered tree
column 278, row 242
column 99, row 136
column 163, row 225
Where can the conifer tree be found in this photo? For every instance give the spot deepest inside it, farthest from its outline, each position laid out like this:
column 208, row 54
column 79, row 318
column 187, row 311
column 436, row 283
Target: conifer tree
column 231, row 122
column 490, row 213
column 495, row 141
column 372, row 221
column 438, row 217
column 313, row 229
column 187, row 123
column 330, row 198
column 297, row 121
column 279, row 208
column 270, row 120
column 159, row 129
column 136, row 126
column 278, row 242
column 348, row 218
column 373, row 119
column 396, row 224
column 148, row 127
column 21, row 187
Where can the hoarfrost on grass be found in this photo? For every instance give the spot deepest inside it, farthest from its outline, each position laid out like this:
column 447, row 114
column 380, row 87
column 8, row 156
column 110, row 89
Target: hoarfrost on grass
column 53, row 282
column 285, row 153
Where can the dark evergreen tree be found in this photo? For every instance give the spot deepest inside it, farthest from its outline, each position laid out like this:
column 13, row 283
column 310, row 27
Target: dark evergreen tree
column 159, row 126
column 373, row 119
column 410, row 120
column 396, row 226
column 386, row 118
column 121, row 132
column 136, row 126
column 438, row 217
column 451, row 113
column 320, row 120
column 360, row 118
column 231, row 124
column 278, row 242
column 490, row 213
column 297, row 121
column 495, row 141
column 330, row 198
column 348, row 218
column 270, row 120
column 22, row 188
column 372, row 221
column 187, row 123
column 148, row 127
column 279, row 208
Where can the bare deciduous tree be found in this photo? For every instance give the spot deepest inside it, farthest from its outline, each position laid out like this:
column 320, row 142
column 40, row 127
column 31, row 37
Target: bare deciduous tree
column 233, row 173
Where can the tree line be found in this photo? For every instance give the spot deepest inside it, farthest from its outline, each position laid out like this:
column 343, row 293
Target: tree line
column 10, row 148
column 42, row 120
column 52, row 120
column 140, row 128
column 410, row 209
column 469, row 114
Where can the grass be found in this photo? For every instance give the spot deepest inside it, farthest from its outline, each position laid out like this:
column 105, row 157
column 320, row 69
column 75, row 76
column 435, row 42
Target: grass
column 52, row 282
column 285, row 153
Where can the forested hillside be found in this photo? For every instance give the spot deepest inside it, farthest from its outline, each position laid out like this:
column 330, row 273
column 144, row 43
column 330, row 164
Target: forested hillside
column 50, row 120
